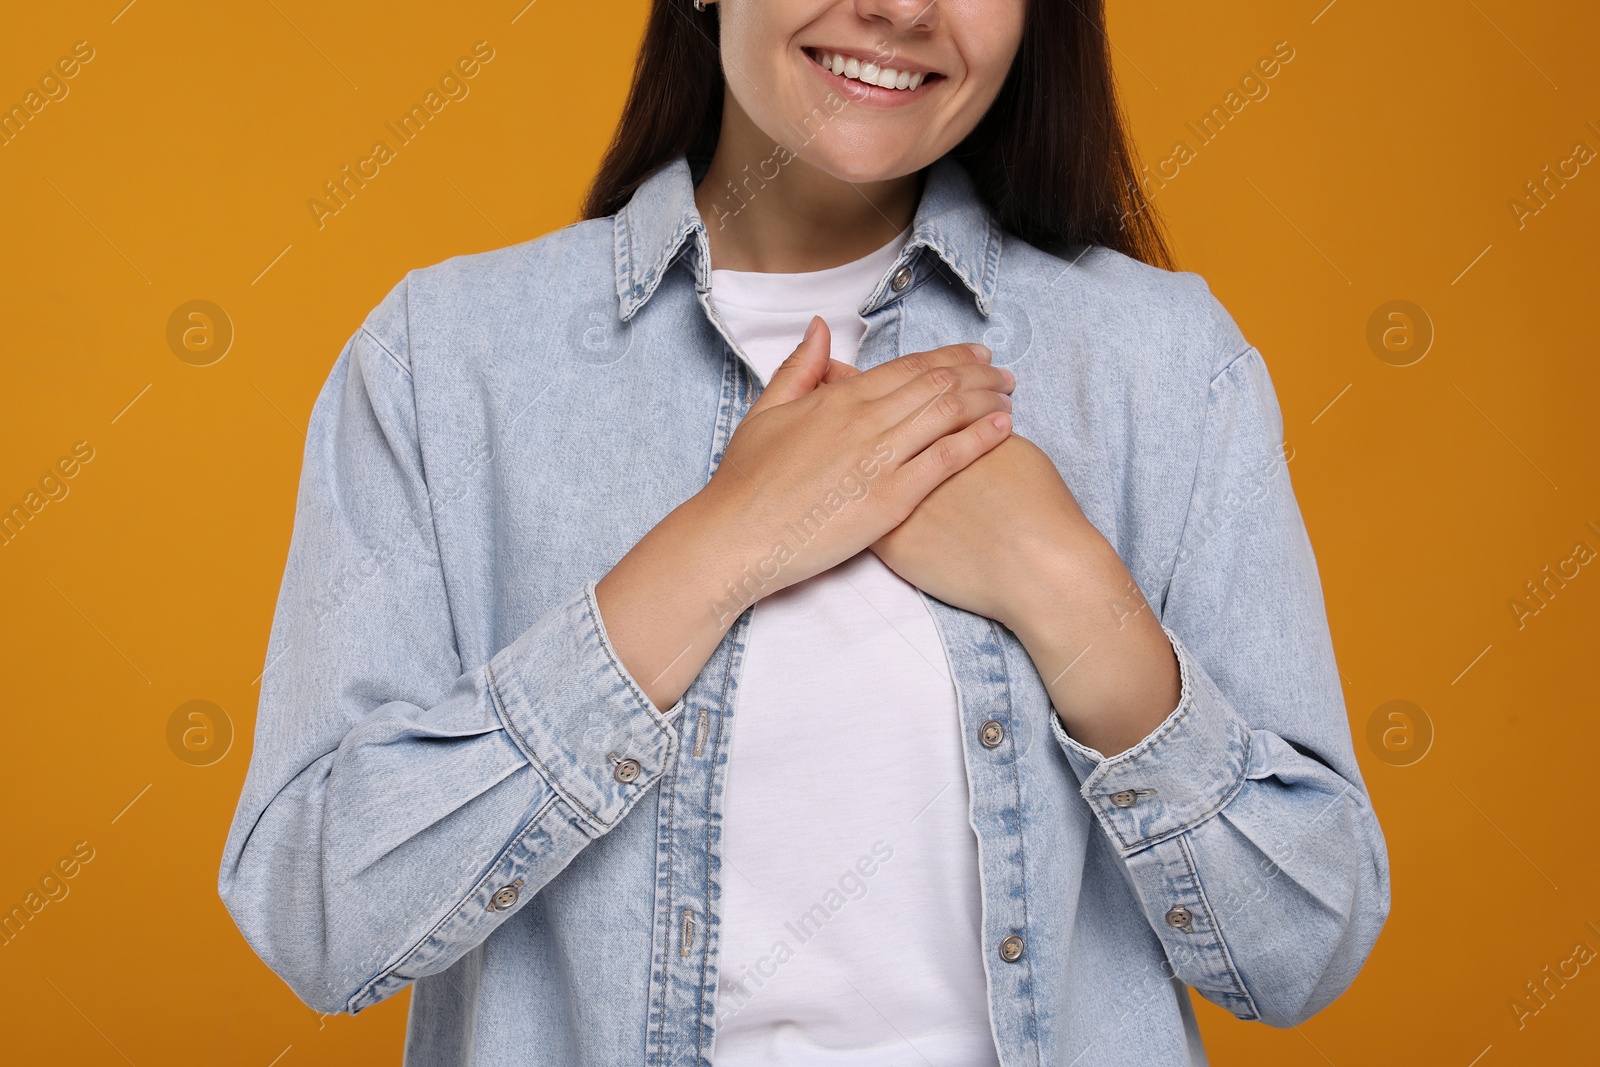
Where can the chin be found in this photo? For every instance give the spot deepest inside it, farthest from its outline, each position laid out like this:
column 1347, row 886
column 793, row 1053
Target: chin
column 862, row 161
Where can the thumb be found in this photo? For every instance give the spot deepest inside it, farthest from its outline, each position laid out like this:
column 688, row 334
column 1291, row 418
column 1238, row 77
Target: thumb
column 802, row 372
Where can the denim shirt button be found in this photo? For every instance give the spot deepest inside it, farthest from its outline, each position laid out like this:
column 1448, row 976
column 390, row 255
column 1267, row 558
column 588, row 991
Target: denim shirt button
column 1180, row 918
column 1011, row 949
column 991, row 733
column 505, row 896
column 1124, row 798
column 901, row 279
column 627, row 770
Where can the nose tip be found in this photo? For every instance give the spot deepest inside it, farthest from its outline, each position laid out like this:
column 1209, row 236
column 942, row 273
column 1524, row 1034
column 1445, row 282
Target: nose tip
column 902, row 15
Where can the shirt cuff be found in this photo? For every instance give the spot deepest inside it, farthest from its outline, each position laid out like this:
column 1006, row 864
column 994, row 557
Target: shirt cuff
column 1185, row 771
column 578, row 715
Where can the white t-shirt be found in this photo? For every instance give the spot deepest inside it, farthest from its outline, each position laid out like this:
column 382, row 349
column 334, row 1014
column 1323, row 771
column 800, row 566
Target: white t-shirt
column 850, row 908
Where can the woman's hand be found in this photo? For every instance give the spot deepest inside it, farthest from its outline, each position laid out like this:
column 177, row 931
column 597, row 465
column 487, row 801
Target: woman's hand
column 818, row 469
column 990, row 538
column 829, row 458
column 1005, row 538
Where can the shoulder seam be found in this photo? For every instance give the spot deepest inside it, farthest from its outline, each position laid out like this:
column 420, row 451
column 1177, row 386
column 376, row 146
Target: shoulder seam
column 386, row 350
column 1245, row 351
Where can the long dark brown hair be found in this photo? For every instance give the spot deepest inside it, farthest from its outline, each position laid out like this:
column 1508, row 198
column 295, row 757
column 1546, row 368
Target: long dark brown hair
column 1051, row 157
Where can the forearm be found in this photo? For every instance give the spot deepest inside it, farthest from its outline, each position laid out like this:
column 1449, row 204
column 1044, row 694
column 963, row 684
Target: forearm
column 667, row 603
column 1107, row 664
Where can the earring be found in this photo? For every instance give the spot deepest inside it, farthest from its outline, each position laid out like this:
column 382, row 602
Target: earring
column 699, row 5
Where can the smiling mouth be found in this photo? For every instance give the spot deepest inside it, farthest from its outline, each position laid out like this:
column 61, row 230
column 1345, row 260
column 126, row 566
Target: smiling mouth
column 870, row 73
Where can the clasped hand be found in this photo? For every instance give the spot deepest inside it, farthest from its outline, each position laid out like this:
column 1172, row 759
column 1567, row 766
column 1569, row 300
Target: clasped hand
column 954, row 503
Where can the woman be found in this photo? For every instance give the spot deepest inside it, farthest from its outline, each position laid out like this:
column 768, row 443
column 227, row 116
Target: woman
column 647, row 687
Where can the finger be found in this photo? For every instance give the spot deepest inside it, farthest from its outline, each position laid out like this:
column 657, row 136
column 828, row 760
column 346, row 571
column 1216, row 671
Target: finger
column 839, row 371
column 948, row 413
column 944, row 399
column 951, row 454
column 886, row 377
column 801, row 372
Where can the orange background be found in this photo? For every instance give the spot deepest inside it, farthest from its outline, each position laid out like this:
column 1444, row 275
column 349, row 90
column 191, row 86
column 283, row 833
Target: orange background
column 1380, row 166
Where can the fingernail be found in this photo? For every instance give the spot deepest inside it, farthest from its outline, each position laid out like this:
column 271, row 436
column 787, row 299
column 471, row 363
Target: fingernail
column 1011, row 379
column 811, row 328
column 982, row 352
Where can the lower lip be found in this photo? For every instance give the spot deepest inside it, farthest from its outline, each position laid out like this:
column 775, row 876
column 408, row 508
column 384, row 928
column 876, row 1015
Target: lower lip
column 859, row 92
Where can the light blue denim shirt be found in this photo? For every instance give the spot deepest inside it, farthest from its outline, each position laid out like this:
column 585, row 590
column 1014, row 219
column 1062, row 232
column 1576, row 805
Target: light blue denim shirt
column 456, row 783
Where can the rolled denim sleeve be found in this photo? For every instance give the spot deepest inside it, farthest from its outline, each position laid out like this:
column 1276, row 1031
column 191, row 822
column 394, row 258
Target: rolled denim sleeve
column 1242, row 818
column 400, row 804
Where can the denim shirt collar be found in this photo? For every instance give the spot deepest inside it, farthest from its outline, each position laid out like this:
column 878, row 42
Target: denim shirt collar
column 951, row 219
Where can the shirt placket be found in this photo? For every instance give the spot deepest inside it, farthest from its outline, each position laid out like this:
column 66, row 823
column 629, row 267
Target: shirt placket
column 683, row 979
column 995, row 738
column 688, row 889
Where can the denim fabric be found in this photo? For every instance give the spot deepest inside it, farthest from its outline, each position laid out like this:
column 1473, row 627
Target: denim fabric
column 433, row 797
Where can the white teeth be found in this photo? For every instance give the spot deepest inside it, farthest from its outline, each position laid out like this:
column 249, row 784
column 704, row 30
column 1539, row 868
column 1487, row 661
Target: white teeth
column 870, row 73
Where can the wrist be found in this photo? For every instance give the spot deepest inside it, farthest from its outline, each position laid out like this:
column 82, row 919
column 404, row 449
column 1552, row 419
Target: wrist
column 663, row 603
column 734, row 550
column 1105, row 660
column 1073, row 574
